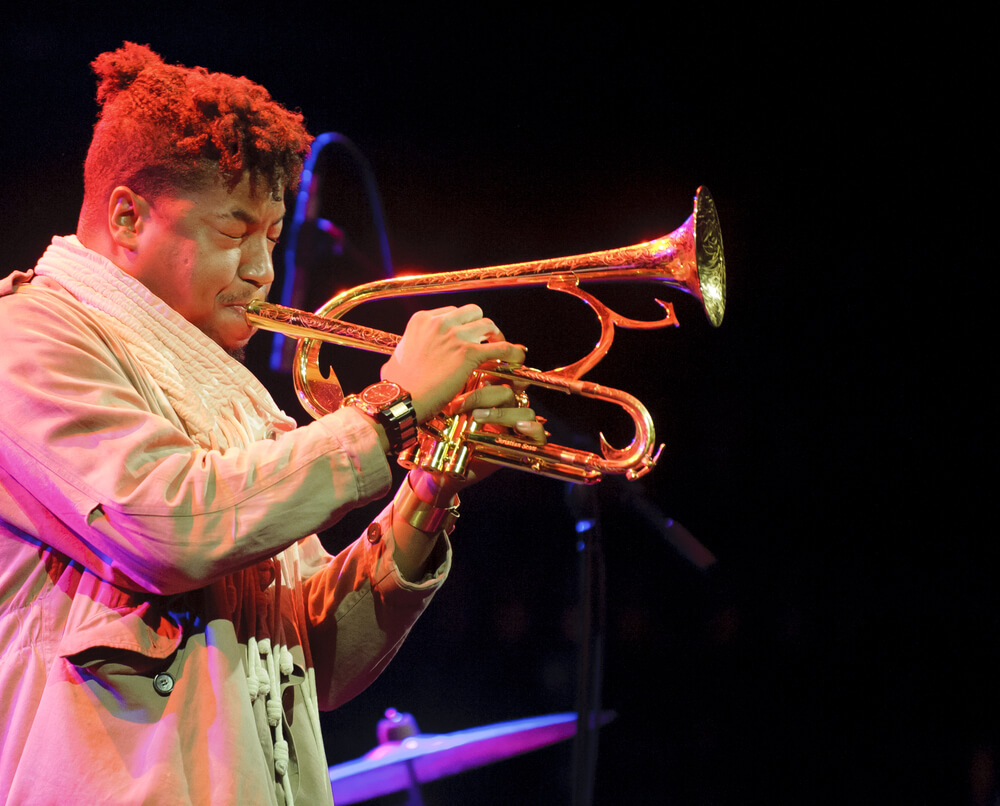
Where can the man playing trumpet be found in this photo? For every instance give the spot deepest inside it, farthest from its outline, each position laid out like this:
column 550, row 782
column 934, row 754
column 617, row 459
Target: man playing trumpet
column 170, row 624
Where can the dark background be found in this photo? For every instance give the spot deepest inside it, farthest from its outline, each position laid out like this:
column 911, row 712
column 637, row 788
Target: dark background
column 827, row 444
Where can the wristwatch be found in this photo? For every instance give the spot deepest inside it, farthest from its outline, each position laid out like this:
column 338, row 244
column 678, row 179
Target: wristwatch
column 392, row 408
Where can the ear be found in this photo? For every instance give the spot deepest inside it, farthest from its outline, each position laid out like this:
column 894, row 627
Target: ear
column 127, row 215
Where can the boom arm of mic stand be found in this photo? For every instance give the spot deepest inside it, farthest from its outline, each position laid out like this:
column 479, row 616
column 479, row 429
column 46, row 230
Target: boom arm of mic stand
column 292, row 284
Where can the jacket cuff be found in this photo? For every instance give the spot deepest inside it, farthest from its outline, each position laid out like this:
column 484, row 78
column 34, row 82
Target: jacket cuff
column 359, row 439
column 390, row 577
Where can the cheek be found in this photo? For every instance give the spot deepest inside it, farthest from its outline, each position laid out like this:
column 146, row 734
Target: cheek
column 214, row 273
column 197, row 282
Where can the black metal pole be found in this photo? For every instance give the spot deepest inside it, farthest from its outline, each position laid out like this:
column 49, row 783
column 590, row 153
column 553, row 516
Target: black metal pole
column 591, row 653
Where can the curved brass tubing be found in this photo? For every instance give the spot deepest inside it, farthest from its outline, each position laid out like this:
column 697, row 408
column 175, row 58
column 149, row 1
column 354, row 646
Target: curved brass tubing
column 690, row 259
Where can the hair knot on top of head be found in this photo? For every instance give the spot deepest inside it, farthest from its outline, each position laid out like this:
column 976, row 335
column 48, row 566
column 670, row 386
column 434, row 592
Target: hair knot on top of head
column 164, row 128
column 118, row 70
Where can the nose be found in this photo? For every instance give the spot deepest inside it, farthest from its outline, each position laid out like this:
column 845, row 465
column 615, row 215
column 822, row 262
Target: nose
column 256, row 266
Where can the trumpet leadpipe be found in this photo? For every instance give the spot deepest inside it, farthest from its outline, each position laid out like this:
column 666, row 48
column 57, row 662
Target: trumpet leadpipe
column 302, row 325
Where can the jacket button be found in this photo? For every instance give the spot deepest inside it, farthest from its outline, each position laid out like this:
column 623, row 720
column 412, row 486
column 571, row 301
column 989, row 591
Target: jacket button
column 374, row 532
column 163, row 683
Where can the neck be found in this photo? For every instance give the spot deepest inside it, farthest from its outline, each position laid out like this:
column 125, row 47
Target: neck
column 97, row 239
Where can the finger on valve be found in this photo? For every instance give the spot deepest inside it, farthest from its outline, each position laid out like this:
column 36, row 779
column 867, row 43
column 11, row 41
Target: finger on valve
column 524, row 422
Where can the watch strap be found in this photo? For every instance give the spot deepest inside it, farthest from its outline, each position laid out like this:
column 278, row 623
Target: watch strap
column 397, row 418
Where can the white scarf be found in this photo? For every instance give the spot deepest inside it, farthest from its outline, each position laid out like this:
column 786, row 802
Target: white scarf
column 220, row 402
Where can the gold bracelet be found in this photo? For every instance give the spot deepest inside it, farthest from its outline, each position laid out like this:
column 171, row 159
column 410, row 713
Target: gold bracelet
column 423, row 515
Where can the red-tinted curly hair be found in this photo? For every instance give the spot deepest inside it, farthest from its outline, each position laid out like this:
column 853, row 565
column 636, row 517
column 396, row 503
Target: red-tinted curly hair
column 167, row 127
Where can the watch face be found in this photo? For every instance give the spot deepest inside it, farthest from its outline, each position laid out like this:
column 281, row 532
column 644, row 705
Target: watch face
column 382, row 394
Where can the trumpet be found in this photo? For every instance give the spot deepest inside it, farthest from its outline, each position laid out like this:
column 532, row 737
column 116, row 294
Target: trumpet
column 690, row 259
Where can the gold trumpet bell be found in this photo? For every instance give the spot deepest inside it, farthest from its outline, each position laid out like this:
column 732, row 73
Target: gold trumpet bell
column 710, row 258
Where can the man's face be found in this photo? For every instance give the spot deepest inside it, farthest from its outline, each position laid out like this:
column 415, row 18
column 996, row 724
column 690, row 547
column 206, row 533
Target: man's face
column 207, row 253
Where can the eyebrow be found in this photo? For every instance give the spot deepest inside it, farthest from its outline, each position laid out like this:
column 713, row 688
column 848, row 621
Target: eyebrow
column 246, row 217
column 243, row 215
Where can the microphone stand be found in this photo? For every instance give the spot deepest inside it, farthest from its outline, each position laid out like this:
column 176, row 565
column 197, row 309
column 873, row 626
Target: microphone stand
column 593, row 606
column 307, row 208
column 584, row 503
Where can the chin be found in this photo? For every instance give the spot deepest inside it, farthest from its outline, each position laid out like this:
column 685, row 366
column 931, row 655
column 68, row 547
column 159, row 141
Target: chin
column 233, row 340
column 236, row 347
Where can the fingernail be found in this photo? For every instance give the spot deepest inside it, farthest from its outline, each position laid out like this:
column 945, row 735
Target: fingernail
column 480, row 414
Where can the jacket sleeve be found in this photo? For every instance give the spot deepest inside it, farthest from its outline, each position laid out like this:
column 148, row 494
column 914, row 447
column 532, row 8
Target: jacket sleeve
column 91, row 465
column 359, row 608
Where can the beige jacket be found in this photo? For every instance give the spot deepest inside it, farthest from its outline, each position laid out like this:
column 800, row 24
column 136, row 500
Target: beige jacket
column 167, row 634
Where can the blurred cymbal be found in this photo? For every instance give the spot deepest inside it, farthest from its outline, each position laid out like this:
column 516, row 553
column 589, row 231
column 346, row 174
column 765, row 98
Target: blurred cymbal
column 397, row 765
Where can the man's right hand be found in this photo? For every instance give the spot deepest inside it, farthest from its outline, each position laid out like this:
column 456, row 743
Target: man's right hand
column 439, row 350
